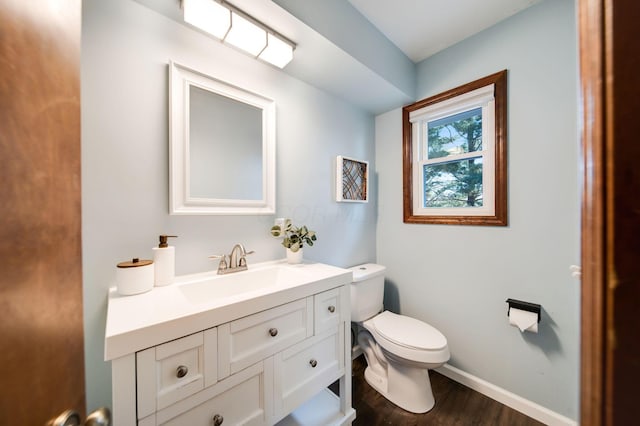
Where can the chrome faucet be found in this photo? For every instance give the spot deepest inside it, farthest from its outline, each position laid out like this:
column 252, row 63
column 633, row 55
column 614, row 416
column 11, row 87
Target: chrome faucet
column 234, row 262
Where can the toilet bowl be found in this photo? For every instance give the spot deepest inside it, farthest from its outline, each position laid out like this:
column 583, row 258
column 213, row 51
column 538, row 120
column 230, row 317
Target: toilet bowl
column 399, row 350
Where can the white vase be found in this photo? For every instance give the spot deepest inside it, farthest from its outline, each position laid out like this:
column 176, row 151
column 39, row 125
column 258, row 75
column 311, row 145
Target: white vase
column 294, row 257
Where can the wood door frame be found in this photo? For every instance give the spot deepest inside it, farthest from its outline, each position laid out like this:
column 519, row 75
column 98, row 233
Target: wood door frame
column 610, row 99
column 591, row 48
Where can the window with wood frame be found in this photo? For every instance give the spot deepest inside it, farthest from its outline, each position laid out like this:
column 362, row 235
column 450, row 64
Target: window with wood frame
column 454, row 149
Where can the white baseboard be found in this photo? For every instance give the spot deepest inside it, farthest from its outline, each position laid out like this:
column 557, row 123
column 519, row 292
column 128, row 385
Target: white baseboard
column 507, row 398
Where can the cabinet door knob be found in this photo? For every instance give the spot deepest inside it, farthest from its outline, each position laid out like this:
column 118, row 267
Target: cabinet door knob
column 313, row 363
column 273, row 332
column 331, row 308
column 217, row 420
column 182, row 371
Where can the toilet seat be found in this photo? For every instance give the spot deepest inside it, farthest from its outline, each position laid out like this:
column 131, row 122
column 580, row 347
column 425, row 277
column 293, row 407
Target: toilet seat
column 409, row 332
column 408, row 338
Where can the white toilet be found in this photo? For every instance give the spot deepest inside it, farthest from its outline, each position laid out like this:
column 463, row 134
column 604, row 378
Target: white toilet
column 399, row 350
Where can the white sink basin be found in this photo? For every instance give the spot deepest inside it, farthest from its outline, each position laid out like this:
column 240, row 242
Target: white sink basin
column 239, row 283
column 194, row 302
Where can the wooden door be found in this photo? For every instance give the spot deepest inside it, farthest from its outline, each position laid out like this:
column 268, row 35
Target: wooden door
column 41, row 334
column 610, row 80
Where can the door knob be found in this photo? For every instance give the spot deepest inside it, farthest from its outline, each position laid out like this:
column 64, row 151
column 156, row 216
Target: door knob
column 273, row 332
column 332, row 308
column 67, row 418
column 217, row 420
column 100, row 417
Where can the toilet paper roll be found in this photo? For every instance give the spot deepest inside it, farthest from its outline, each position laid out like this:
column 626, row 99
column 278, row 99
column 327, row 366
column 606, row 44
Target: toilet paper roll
column 524, row 320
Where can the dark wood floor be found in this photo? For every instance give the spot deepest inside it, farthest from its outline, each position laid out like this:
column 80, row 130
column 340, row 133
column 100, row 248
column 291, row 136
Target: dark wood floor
column 456, row 405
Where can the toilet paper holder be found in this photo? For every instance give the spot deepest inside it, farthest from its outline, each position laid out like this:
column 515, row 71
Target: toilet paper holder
column 525, row 306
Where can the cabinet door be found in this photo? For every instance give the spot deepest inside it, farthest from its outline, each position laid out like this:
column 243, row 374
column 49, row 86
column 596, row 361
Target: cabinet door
column 239, row 399
column 250, row 339
column 169, row 372
column 327, row 310
column 306, row 368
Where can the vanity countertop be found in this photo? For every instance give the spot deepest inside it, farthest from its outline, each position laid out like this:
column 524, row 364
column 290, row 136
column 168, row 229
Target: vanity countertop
column 200, row 301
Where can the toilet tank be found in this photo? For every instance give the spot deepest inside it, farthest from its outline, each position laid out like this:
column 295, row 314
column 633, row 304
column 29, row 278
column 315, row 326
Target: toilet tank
column 367, row 291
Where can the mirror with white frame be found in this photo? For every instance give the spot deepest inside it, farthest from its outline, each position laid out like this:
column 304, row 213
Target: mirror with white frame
column 222, row 147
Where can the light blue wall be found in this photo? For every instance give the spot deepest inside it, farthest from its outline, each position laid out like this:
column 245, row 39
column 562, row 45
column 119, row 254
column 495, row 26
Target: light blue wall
column 457, row 278
column 125, row 52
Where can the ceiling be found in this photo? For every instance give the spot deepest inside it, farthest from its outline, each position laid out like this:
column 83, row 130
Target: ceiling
column 416, row 29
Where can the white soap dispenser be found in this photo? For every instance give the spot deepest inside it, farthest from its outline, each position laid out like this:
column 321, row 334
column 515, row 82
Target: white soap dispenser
column 164, row 259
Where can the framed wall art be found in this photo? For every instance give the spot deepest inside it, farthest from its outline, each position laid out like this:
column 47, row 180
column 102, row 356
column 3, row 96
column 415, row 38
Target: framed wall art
column 352, row 180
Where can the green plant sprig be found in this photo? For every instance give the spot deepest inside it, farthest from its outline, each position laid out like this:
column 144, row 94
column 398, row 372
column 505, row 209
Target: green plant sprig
column 294, row 237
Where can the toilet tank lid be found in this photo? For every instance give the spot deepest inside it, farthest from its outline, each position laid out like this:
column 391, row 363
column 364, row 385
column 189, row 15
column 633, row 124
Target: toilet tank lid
column 366, row 271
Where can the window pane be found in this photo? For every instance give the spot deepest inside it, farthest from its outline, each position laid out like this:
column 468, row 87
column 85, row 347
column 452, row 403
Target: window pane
column 453, row 184
column 455, row 134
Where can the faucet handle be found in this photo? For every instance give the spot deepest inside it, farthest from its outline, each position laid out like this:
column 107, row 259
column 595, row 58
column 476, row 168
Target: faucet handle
column 243, row 261
column 223, row 260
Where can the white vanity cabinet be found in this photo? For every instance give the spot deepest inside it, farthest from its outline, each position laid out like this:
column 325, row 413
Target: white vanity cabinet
column 257, row 362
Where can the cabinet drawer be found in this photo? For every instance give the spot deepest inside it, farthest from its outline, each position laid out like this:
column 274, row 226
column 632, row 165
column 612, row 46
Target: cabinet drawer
column 239, row 399
column 327, row 309
column 306, row 368
column 174, row 370
column 250, row 339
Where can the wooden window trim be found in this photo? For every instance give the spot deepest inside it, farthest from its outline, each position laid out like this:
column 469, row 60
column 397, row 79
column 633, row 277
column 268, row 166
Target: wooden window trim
column 499, row 218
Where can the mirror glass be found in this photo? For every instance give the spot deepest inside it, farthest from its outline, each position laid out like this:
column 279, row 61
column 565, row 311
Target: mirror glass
column 222, row 147
column 225, row 147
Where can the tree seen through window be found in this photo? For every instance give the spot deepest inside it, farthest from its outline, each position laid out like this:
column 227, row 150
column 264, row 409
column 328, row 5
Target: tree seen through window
column 456, row 183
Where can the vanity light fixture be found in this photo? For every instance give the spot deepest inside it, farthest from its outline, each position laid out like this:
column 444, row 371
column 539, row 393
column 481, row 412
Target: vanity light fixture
column 277, row 52
column 245, row 35
column 209, row 16
column 237, row 28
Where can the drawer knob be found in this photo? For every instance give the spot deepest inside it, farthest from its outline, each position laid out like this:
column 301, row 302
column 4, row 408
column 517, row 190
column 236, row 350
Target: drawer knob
column 182, row 371
column 331, row 308
column 273, row 332
column 313, row 363
column 217, row 420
